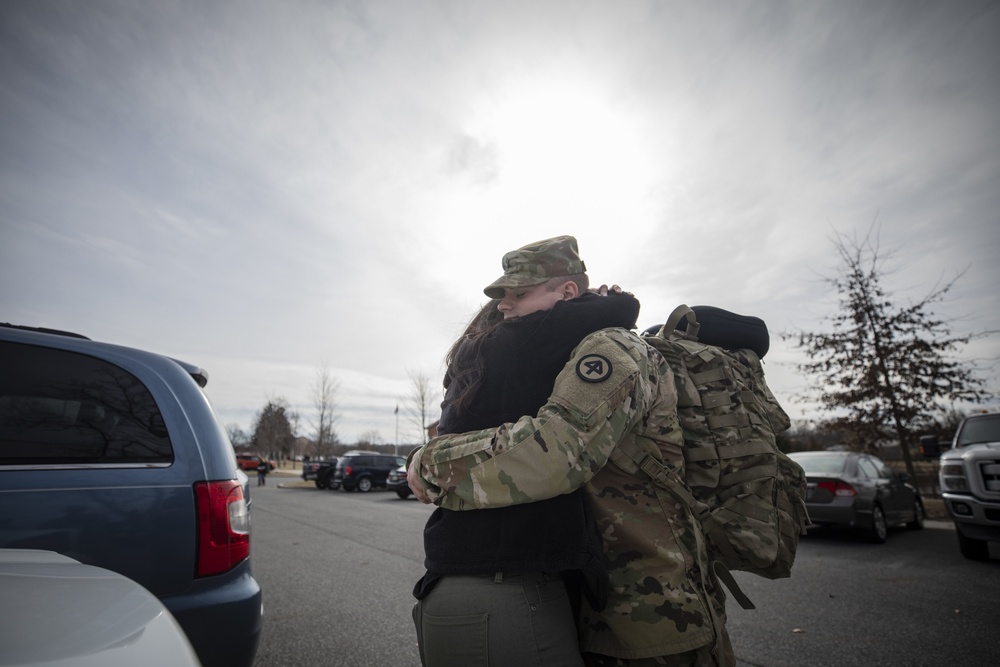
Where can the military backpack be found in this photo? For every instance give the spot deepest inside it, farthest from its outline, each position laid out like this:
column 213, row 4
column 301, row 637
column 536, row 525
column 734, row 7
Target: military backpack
column 746, row 494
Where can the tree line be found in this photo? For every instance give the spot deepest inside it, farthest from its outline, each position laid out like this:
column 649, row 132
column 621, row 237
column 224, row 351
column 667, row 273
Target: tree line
column 276, row 430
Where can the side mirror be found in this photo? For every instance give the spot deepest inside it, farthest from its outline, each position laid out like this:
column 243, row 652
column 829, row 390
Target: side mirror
column 930, row 446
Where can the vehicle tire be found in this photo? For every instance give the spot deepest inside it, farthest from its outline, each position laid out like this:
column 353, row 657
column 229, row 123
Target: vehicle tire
column 971, row 548
column 319, row 484
column 880, row 529
column 403, row 495
column 918, row 515
column 365, row 484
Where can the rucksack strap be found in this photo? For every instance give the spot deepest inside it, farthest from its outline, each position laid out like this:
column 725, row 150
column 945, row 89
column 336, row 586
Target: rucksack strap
column 726, row 577
column 680, row 312
column 742, row 449
column 629, row 457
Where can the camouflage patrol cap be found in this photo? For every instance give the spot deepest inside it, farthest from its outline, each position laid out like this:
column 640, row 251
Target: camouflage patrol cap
column 535, row 263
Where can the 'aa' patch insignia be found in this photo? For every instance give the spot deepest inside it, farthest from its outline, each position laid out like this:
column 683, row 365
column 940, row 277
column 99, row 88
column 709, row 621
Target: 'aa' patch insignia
column 593, row 368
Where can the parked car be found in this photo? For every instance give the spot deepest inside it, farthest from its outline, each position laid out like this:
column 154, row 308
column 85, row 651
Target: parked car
column 859, row 491
column 396, row 481
column 252, row 461
column 363, row 471
column 320, row 472
column 970, row 484
column 58, row 611
column 325, row 475
column 113, row 457
column 309, row 470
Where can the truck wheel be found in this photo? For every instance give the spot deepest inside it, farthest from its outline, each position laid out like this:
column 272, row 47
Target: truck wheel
column 971, row 548
column 323, row 480
column 918, row 515
column 365, row 484
column 403, row 495
column 880, row 529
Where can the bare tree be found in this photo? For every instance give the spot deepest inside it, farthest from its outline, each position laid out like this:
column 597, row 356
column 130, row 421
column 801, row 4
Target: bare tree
column 294, row 420
column 237, row 436
column 887, row 365
column 324, row 396
column 421, row 404
column 369, row 438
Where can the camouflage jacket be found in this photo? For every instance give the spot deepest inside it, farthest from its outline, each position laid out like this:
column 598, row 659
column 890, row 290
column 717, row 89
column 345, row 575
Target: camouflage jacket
column 663, row 598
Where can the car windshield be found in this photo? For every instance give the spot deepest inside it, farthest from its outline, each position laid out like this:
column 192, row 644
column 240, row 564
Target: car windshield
column 822, row 464
column 979, row 429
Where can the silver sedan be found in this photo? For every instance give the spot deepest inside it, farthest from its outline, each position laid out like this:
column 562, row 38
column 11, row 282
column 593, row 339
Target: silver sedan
column 859, row 491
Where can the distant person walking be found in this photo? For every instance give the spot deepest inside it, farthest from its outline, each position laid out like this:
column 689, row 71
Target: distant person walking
column 262, row 470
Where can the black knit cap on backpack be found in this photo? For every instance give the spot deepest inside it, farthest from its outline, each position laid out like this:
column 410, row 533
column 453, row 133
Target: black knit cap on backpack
column 748, row 496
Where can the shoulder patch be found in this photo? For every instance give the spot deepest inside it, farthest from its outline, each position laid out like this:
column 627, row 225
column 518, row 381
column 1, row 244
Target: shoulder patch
column 593, row 368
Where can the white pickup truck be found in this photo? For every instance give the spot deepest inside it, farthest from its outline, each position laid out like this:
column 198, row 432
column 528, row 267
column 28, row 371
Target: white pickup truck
column 970, row 483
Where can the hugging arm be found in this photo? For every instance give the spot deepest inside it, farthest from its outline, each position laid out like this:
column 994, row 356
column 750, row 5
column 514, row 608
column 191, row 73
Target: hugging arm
column 596, row 400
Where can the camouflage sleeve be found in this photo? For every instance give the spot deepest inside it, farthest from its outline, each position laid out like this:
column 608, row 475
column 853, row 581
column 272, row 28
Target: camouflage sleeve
column 597, row 398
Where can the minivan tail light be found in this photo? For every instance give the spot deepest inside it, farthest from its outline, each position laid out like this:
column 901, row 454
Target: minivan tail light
column 348, row 470
column 223, row 526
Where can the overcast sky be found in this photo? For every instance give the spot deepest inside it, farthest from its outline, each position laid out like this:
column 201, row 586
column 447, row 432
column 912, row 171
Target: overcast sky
column 265, row 187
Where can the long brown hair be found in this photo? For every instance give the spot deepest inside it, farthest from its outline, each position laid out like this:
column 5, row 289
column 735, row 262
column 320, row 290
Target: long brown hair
column 464, row 360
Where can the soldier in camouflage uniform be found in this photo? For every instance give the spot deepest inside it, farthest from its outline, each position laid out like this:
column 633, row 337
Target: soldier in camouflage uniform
column 502, row 585
column 665, row 606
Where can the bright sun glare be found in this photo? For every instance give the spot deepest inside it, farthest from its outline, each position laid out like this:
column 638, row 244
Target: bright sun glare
column 566, row 150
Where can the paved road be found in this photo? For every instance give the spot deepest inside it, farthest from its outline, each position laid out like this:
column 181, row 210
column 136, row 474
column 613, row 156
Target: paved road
column 911, row 602
column 337, row 570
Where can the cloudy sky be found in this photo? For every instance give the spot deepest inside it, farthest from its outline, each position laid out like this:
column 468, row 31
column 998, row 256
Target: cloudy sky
column 263, row 188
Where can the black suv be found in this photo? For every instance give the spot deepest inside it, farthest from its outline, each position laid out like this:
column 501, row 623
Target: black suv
column 114, row 457
column 363, row 471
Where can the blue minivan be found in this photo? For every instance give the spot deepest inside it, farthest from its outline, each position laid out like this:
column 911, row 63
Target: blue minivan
column 114, row 457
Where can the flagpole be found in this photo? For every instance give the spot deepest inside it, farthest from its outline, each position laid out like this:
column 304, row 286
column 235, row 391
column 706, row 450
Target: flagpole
column 396, row 445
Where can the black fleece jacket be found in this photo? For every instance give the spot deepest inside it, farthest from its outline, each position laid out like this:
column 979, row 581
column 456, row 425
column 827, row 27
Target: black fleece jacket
column 522, row 358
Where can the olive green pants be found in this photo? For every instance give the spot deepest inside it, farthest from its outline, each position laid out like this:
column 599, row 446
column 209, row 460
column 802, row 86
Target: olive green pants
column 503, row 620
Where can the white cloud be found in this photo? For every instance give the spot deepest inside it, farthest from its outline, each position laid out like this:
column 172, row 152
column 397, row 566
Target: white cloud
column 258, row 188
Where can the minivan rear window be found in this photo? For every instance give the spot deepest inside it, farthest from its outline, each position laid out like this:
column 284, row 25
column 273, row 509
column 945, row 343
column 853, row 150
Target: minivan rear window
column 60, row 407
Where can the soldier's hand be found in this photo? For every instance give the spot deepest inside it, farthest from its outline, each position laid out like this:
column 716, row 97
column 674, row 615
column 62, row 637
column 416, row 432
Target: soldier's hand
column 604, row 290
column 414, row 481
